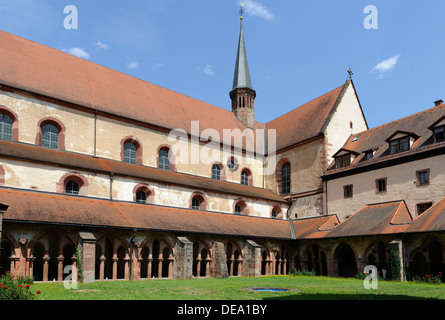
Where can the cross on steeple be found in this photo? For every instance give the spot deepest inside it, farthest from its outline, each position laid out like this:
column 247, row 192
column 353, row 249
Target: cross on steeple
column 350, row 73
column 241, row 11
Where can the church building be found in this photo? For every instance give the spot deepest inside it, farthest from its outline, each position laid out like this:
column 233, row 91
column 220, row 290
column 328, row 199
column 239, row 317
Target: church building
column 120, row 179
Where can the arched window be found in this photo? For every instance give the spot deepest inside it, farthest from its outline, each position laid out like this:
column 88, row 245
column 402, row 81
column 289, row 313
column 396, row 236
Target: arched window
column 164, row 159
column 5, row 127
column 246, row 177
column 196, row 203
column 141, row 196
column 50, row 136
column 274, row 214
column 240, row 207
column 216, row 172
column 285, row 178
column 130, row 152
column 72, row 187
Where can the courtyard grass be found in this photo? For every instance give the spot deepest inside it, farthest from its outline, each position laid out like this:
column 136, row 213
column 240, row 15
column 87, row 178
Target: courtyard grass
column 239, row 288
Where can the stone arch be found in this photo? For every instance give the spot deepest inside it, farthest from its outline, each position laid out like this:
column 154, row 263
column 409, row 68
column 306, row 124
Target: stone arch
column 112, row 257
column 56, row 123
column 50, row 251
column 427, row 258
column 202, row 257
column 234, row 258
column 160, row 257
column 346, row 260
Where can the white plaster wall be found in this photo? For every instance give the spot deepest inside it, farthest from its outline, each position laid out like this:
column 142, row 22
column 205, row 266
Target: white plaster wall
column 401, row 185
column 338, row 129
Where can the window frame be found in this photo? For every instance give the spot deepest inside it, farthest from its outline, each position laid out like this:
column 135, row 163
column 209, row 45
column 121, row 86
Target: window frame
column 418, row 205
column 216, row 171
column 164, row 159
column 133, row 156
column 346, row 194
column 419, row 177
column 61, row 133
column 286, row 172
column 343, row 161
column 72, row 181
column 398, row 144
column 377, row 188
column 442, row 128
column 9, row 125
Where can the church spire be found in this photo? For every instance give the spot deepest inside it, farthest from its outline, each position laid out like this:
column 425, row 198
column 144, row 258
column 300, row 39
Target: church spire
column 241, row 78
column 242, row 94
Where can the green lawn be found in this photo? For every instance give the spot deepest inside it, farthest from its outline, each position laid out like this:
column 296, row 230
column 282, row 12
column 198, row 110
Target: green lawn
column 302, row 287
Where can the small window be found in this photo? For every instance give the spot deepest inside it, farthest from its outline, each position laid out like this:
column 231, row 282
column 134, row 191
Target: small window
column 343, row 161
column 164, row 159
column 381, row 185
column 141, row 197
column 196, row 204
column 237, row 209
column 5, row 127
column 130, row 153
column 285, row 178
column 50, row 136
column 423, row 177
column 72, row 187
column 422, row 207
column 439, row 134
column 369, row 155
column 274, row 214
column 399, row 145
column 246, row 177
column 216, row 172
column 347, row 191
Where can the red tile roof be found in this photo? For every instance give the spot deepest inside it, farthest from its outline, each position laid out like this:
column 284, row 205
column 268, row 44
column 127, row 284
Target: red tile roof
column 314, row 227
column 377, row 219
column 36, row 68
column 47, row 208
column 83, row 162
column 306, row 121
column 417, row 125
column 431, row 220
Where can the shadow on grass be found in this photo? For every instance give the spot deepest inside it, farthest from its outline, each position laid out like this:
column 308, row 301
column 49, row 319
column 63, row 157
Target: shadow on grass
column 322, row 296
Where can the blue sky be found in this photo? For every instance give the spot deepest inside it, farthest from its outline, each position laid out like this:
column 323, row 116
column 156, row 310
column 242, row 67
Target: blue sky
column 297, row 50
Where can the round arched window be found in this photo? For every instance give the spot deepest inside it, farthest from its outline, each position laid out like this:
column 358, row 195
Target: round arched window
column 72, row 187
column 141, row 197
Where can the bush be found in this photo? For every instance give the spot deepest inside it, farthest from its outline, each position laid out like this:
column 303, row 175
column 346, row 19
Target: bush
column 16, row 287
column 302, row 273
column 428, row 278
column 362, row 276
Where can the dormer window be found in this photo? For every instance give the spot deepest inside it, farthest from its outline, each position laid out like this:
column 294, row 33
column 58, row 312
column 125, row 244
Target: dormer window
column 343, row 161
column 439, row 134
column 399, row 145
column 401, row 141
column 369, row 155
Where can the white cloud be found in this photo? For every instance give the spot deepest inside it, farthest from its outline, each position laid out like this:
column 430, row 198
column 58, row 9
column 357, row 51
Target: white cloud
column 208, row 70
column 157, row 66
column 257, row 9
column 78, row 52
column 133, row 65
column 101, row 45
column 386, row 65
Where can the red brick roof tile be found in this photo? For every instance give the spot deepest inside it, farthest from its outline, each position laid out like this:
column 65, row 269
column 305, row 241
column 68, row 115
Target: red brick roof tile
column 432, row 219
column 47, row 208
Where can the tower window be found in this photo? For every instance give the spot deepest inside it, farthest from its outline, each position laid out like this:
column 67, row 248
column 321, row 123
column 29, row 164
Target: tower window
column 5, row 127
column 50, row 136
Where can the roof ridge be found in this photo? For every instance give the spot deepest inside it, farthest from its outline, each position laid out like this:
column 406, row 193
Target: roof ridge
column 401, row 119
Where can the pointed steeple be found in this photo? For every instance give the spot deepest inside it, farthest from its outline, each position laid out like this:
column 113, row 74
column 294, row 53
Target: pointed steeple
column 241, row 78
column 242, row 94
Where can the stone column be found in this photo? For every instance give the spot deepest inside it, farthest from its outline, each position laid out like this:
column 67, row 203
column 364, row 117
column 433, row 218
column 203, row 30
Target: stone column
column 397, row 246
column 183, row 266
column 3, row 208
column 87, row 242
column 219, row 261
